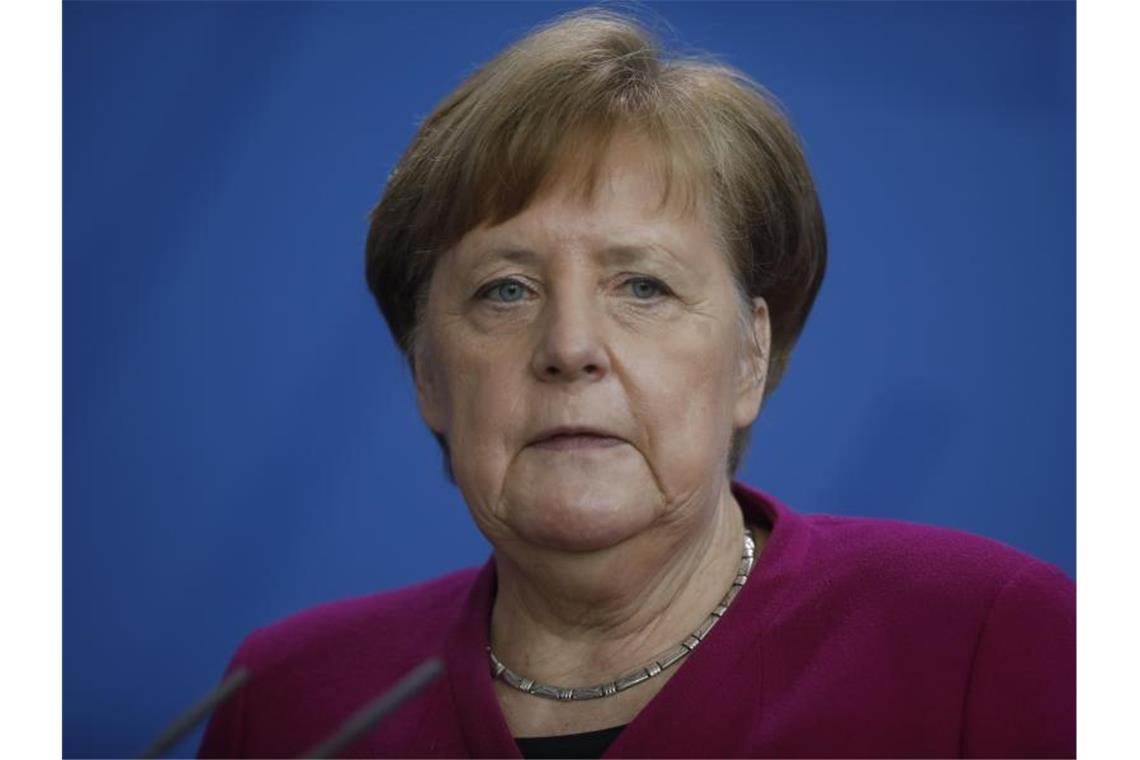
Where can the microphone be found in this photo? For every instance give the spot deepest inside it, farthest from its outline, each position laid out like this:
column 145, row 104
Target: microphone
column 184, row 723
column 372, row 713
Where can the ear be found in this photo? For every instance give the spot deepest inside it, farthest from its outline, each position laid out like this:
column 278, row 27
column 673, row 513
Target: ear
column 428, row 393
column 753, row 366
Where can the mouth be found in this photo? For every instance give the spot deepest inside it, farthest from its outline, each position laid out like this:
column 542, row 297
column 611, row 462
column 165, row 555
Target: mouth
column 575, row 439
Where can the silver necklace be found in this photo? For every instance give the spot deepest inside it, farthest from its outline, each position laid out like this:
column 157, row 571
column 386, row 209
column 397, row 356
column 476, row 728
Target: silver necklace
column 641, row 675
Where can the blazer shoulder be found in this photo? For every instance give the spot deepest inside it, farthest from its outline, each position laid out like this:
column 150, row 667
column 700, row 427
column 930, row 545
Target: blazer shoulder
column 411, row 620
column 926, row 561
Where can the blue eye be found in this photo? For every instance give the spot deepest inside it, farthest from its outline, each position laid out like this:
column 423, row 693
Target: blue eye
column 645, row 288
column 507, row 291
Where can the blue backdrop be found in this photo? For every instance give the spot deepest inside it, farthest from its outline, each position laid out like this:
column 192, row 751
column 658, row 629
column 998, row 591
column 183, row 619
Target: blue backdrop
column 240, row 439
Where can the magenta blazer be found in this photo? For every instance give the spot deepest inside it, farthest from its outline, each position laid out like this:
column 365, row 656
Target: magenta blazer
column 852, row 638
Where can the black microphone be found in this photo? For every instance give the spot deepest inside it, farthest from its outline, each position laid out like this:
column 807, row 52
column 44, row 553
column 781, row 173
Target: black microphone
column 184, row 723
column 373, row 712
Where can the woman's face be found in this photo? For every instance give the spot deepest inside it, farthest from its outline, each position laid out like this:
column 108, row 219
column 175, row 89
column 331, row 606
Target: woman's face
column 587, row 365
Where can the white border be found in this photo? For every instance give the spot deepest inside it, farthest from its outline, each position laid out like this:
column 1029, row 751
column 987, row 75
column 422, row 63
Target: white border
column 30, row 378
column 1108, row 304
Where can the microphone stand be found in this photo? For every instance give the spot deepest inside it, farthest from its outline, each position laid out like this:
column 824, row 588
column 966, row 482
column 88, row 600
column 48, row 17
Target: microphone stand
column 352, row 729
column 372, row 713
column 184, row 723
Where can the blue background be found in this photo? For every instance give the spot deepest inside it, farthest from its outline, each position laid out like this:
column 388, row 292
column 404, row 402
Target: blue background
column 240, row 438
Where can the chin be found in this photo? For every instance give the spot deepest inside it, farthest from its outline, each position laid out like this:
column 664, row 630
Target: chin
column 580, row 511
column 564, row 525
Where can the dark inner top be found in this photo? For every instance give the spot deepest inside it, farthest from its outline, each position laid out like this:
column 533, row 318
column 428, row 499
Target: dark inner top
column 588, row 744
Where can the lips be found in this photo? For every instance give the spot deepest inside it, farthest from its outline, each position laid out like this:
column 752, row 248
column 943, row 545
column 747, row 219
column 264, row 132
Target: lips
column 575, row 437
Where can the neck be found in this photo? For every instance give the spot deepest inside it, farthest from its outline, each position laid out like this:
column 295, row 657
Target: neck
column 578, row 619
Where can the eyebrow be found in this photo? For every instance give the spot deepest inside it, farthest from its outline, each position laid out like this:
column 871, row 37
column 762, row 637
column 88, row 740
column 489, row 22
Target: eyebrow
column 632, row 254
column 614, row 254
column 523, row 256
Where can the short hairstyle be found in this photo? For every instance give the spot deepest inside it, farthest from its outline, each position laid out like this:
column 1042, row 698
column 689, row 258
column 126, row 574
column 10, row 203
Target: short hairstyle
column 552, row 102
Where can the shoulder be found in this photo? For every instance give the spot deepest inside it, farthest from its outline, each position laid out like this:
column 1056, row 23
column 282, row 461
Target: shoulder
column 409, row 622
column 311, row 669
column 993, row 625
column 864, row 557
column 903, row 560
column 964, row 625
column 821, row 566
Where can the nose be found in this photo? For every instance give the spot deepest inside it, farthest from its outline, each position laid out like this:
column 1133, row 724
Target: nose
column 570, row 343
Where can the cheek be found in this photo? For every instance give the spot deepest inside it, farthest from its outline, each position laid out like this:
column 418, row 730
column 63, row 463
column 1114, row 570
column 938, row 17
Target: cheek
column 483, row 393
column 682, row 396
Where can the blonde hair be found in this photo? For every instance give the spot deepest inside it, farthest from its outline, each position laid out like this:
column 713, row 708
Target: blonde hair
column 553, row 101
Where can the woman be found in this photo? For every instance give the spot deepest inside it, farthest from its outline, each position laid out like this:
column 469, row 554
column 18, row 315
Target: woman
column 597, row 262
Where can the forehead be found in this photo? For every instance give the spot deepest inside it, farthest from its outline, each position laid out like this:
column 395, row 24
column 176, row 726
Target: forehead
column 631, row 201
